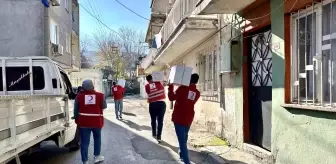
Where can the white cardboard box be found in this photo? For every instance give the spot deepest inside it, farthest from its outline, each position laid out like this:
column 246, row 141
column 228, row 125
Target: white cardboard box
column 122, row 82
column 180, row 75
column 158, row 76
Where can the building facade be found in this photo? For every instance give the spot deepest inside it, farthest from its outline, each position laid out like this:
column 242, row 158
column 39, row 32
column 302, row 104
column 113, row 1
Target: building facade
column 41, row 28
column 266, row 71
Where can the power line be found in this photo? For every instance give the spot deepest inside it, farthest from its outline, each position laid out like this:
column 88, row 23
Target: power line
column 97, row 14
column 99, row 20
column 132, row 10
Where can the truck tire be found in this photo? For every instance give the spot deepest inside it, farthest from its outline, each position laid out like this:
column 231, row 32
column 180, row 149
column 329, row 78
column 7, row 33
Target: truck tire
column 75, row 143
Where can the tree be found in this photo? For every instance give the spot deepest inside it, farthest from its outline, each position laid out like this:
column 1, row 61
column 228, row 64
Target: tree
column 109, row 54
column 84, row 45
column 130, row 48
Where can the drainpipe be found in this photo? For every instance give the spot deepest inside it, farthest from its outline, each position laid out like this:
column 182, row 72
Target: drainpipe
column 47, row 45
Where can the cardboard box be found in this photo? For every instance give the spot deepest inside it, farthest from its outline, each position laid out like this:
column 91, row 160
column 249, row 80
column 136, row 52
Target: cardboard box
column 122, row 82
column 180, row 75
column 158, row 76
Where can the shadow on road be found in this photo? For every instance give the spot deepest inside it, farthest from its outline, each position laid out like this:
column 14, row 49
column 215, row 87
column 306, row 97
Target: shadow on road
column 193, row 155
column 135, row 126
column 47, row 152
column 118, row 147
column 235, row 162
column 129, row 114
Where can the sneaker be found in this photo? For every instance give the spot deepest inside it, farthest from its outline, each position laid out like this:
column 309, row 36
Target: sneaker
column 159, row 139
column 120, row 117
column 98, row 159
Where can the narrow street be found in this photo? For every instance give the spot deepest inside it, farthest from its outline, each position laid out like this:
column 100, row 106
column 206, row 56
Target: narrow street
column 127, row 141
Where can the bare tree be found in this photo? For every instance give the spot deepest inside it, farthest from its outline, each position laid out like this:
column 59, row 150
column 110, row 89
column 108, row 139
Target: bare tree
column 84, row 47
column 109, row 54
column 132, row 47
column 128, row 40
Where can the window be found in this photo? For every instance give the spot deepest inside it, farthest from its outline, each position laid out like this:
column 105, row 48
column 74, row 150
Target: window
column 17, row 78
column 68, row 43
column 313, row 69
column 67, row 5
column 73, row 16
column 54, row 32
column 1, row 83
column 66, row 83
column 208, row 70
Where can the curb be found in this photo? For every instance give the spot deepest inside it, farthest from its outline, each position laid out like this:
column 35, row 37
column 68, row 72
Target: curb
column 213, row 158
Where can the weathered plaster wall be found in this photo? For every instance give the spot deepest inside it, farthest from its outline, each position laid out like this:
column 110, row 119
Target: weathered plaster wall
column 226, row 119
column 63, row 17
column 298, row 136
column 21, row 28
column 232, row 92
column 207, row 113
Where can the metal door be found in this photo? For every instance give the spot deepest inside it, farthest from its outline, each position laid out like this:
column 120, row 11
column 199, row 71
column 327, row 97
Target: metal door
column 260, row 106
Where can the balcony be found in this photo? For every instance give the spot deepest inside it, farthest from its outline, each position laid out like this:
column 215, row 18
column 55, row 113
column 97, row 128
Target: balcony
column 183, row 30
column 160, row 6
column 205, row 7
column 147, row 62
column 154, row 26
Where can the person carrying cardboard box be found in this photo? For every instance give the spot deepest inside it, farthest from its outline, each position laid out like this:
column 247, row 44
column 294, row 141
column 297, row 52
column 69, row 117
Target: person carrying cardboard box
column 157, row 106
column 185, row 98
column 118, row 95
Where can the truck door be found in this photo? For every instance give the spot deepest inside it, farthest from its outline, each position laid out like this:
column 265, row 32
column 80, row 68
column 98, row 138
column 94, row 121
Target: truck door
column 66, row 84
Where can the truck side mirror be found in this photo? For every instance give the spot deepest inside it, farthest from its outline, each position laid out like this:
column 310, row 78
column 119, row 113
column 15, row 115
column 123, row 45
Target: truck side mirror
column 72, row 95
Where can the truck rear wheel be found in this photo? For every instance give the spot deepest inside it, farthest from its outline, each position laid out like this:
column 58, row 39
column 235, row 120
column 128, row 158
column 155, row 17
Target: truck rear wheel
column 75, row 143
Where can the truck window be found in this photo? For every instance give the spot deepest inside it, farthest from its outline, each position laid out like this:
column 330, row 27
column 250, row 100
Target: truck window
column 66, row 83
column 17, row 78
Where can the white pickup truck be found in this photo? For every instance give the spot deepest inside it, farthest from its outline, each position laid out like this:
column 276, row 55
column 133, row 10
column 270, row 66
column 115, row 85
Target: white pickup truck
column 35, row 106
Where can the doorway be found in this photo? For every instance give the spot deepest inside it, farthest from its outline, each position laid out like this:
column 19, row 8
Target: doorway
column 260, row 89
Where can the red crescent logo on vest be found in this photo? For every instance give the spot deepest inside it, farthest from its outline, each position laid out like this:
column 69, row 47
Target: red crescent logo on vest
column 91, row 98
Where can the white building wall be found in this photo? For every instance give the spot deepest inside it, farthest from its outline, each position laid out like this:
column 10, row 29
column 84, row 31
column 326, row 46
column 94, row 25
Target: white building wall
column 207, row 113
column 142, row 81
column 96, row 76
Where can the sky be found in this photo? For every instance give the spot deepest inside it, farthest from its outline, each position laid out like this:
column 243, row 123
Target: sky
column 113, row 15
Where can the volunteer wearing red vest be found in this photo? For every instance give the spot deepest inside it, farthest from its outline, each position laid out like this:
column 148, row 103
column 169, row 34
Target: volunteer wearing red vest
column 118, row 95
column 157, row 106
column 88, row 113
column 183, row 114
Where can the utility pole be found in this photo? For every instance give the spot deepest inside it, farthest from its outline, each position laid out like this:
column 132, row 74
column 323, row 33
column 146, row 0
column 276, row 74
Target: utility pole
column 116, row 53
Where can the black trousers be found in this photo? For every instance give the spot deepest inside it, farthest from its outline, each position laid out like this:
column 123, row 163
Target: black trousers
column 157, row 111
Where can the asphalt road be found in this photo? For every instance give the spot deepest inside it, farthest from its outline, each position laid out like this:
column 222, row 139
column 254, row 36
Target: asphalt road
column 119, row 146
column 123, row 142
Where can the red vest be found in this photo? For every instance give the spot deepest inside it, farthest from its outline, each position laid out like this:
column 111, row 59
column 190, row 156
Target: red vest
column 155, row 91
column 90, row 109
column 118, row 92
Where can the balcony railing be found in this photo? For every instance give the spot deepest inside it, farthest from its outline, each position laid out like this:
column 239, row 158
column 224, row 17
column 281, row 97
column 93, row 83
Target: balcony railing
column 180, row 10
column 146, row 62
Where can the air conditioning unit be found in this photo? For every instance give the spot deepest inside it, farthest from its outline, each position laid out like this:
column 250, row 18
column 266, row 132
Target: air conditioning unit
column 55, row 2
column 57, row 49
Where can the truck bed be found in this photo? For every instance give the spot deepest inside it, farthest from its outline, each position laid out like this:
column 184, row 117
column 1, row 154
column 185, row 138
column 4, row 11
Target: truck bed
column 29, row 119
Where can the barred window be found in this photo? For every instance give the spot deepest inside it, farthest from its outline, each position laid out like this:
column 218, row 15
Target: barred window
column 313, row 35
